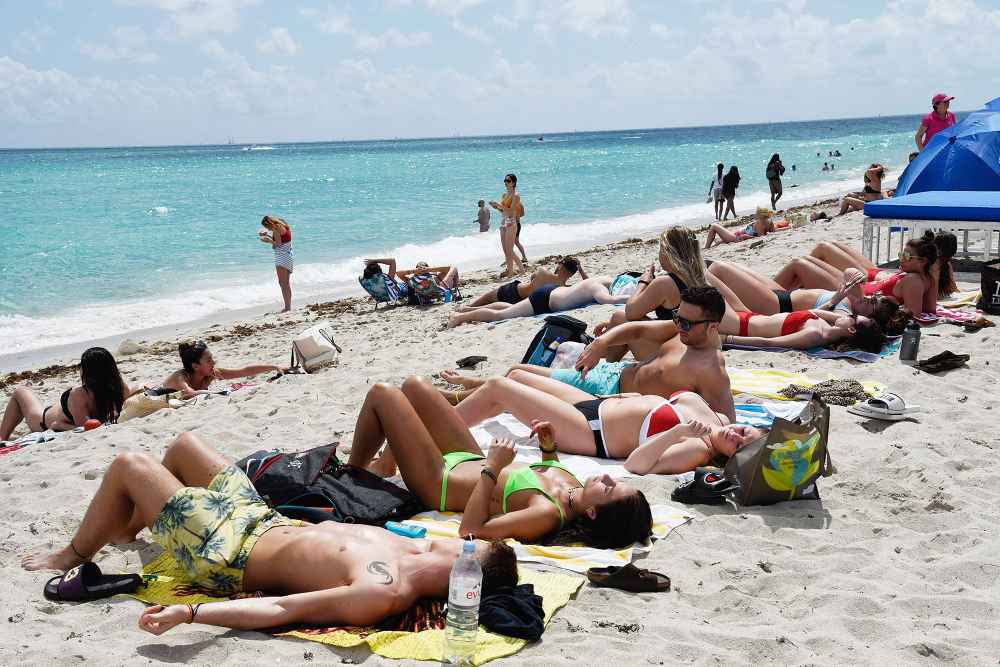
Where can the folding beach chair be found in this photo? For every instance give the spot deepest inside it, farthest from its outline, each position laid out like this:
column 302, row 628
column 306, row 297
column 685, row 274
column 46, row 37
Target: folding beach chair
column 384, row 289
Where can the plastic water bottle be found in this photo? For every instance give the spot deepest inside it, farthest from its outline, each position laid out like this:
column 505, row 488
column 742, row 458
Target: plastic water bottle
column 550, row 352
column 910, row 346
column 464, row 587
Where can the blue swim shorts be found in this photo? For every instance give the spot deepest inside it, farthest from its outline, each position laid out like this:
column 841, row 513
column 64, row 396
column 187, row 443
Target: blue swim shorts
column 602, row 380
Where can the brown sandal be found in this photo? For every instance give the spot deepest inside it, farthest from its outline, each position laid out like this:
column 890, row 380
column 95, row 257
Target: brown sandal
column 629, row 578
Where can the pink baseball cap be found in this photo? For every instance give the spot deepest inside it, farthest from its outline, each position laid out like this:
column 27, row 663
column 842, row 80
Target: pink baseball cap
column 941, row 97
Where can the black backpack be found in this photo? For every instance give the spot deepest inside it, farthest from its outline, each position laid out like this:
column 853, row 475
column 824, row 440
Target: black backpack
column 315, row 486
column 558, row 329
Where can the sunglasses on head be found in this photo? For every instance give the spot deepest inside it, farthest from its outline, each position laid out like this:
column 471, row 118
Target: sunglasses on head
column 684, row 324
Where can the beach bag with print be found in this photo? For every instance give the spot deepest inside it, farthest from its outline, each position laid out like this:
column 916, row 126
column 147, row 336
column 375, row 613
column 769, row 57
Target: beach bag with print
column 315, row 486
column 625, row 284
column 784, row 464
column 425, row 290
column 990, row 282
column 558, row 329
column 314, row 346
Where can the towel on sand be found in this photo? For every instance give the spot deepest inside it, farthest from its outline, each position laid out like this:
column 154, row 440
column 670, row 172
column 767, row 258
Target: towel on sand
column 767, row 382
column 418, row 634
column 576, row 557
column 890, row 347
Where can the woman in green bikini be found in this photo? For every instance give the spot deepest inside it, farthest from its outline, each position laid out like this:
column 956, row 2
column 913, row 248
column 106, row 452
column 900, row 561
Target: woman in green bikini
column 443, row 465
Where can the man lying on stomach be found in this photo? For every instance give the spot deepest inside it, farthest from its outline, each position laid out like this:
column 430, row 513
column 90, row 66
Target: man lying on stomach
column 206, row 513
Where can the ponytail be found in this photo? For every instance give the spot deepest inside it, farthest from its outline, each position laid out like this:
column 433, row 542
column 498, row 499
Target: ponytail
column 947, row 246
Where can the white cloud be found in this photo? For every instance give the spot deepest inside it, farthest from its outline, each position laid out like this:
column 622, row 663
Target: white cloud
column 661, row 30
column 471, row 31
column 504, row 22
column 190, row 18
column 331, row 21
column 280, row 42
column 597, row 17
column 392, row 37
column 451, row 7
column 127, row 43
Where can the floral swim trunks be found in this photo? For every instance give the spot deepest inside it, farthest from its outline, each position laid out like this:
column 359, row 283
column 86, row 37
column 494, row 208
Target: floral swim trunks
column 210, row 531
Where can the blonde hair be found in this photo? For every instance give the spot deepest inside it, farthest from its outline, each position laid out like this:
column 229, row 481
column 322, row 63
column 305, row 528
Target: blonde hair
column 680, row 245
column 274, row 222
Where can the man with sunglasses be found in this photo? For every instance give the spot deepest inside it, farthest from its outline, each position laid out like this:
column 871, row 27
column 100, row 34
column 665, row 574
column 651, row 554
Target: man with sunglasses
column 691, row 360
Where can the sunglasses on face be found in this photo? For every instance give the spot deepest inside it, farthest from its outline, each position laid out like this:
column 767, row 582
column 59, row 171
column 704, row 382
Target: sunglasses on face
column 684, row 324
column 507, row 180
column 905, row 255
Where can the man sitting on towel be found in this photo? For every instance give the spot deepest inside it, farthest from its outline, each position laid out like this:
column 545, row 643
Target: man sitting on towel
column 689, row 357
column 206, row 513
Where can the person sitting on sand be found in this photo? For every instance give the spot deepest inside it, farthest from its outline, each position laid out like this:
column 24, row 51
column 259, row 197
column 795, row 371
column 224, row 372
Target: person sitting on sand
column 652, row 434
column 100, row 396
column 923, row 274
column 688, row 361
column 872, row 191
column 515, row 291
column 206, row 513
column 200, row 371
column 763, row 295
column 443, row 465
column 761, row 226
column 546, row 299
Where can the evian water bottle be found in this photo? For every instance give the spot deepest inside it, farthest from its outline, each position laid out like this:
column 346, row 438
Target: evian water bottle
column 464, row 586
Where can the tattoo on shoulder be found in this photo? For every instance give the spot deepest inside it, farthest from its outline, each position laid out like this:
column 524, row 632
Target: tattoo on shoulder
column 381, row 569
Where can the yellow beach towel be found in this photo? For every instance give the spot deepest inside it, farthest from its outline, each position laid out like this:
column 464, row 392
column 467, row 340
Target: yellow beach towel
column 577, row 558
column 768, row 382
column 165, row 584
column 961, row 299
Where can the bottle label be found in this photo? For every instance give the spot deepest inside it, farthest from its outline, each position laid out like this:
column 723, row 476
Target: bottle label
column 464, row 597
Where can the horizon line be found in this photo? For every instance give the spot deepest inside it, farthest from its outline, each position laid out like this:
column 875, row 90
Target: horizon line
column 457, row 136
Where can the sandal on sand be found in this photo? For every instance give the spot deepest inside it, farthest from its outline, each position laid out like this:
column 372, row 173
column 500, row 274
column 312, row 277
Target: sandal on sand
column 86, row 582
column 629, row 578
column 709, row 487
column 945, row 361
column 470, row 362
column 889, row 407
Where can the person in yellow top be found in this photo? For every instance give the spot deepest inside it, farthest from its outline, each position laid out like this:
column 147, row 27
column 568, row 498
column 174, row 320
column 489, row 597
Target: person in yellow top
column 511, row 209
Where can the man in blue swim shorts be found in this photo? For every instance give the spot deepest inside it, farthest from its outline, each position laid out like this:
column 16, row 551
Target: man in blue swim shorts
column 603, row 379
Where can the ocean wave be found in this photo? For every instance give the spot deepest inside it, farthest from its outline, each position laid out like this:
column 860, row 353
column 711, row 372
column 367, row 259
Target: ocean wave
column 255, row 287
column 258, row 148
column 159, row 210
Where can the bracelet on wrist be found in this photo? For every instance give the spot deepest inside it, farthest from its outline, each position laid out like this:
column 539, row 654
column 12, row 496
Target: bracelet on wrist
column 486, row 472
column 643, row 282
column 190, row 611
column 547, row 450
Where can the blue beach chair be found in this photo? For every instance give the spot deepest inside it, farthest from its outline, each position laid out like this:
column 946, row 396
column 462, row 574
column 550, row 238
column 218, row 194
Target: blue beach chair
column 384, row 289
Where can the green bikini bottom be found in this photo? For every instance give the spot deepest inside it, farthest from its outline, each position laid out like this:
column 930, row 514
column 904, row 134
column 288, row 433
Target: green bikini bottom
column 452, row 459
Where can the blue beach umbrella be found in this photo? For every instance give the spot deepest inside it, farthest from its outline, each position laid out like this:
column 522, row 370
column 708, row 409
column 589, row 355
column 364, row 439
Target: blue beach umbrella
column 965, row 156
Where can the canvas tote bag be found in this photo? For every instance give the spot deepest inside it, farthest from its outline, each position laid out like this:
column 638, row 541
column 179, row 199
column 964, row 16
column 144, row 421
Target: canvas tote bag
column 784, row 464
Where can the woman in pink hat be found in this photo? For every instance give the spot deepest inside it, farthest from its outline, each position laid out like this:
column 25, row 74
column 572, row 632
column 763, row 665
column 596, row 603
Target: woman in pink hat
column 935, row 121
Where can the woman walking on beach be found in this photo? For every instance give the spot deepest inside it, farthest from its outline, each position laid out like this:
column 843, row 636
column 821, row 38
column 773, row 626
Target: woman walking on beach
column 511, row 209
column 100, row 396
column 730, row 182
column 277, row 232
column 775, row 170
column 715, row 191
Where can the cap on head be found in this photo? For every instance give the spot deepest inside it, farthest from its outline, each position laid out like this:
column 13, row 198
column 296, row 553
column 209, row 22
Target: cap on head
column 941, row 97
column 422, row 265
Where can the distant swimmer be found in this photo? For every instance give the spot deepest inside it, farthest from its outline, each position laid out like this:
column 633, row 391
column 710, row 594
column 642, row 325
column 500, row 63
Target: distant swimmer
column 541, row 138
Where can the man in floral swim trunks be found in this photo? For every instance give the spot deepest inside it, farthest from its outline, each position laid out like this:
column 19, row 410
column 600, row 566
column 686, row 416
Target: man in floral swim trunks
column 208, row 515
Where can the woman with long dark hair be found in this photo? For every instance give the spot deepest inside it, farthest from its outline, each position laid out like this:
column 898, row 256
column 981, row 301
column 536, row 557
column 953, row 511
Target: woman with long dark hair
column 730, row 182
column 199, row 370
column 100, row 396
column 774, row 171
column 443, row 465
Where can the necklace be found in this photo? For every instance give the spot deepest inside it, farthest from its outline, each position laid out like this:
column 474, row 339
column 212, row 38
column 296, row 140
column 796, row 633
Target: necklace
column 569, row 497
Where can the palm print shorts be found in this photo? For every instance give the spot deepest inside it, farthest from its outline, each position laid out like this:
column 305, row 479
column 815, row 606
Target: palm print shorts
column 210, row 531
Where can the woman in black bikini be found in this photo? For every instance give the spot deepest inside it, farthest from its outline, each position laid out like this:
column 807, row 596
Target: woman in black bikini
column 100, row 396
column 872, row 191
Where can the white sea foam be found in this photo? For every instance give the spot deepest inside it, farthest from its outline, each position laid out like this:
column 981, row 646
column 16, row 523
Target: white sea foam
column 159, row 210
column 323, row 280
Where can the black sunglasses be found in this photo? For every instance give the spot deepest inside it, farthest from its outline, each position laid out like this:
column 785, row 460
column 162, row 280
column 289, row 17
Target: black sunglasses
column 684, row 324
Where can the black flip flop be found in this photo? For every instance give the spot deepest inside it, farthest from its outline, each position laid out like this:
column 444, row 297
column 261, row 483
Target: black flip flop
column 470, row 362
column 85, row 582
column 629, row 578
column 709, row 487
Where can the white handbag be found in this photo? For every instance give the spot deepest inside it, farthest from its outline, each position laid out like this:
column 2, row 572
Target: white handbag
column 314, row 346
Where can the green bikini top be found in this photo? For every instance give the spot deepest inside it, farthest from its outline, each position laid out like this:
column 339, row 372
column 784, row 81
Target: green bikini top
column 525, row 479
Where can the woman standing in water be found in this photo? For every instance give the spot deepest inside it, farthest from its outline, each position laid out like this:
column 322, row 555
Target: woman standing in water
column 277, row 232
column 730, row 182
column 511, row 209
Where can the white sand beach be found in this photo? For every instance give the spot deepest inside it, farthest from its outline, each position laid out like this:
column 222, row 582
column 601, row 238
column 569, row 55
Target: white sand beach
column 897, row 564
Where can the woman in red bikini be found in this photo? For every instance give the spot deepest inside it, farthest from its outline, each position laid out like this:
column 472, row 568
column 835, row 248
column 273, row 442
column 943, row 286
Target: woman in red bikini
column 925, row 271
column 652, row 434
column 801, row 330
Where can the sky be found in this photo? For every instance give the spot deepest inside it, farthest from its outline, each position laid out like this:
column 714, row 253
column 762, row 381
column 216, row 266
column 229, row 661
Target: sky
column 159, row 72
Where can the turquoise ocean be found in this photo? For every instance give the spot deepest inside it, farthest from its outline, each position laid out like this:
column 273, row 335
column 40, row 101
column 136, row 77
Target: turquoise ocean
column 100, row 242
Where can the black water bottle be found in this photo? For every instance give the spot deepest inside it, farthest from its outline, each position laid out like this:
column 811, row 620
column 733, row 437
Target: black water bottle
column 910, row 346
